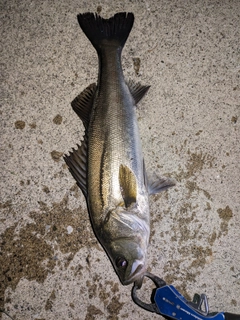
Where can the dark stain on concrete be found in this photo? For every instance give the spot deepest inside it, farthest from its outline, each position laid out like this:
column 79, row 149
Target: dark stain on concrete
column 19, row 124
column 31, row 252
column 114, row 307
column 22, row 256
column 225, row 215
column 58, row 119
column 56, row 155
column 108, row 294
column 234, row 119
column 187, row 227
column 192, row 186
column 45, row 189
column 136, row 65
column 93, row 312
column 50, row 301
column 33, row 125
column 212, row 237
column 197, row 161
column 53, row 223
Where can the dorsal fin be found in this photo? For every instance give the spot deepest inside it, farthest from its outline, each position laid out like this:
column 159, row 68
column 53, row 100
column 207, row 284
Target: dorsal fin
column 137, row 91
column 77, row 163
column 83, row 103
column 128, row 185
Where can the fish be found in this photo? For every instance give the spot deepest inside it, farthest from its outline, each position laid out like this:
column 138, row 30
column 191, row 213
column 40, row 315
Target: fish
column 108, row 165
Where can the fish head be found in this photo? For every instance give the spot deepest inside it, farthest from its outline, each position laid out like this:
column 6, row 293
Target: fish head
column 126, row 245
column 129, row 260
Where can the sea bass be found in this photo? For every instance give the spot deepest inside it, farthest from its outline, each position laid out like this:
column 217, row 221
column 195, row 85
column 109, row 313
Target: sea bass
column 109, row 166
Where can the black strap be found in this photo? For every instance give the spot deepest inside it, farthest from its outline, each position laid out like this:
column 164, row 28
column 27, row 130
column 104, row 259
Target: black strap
column 152, row 307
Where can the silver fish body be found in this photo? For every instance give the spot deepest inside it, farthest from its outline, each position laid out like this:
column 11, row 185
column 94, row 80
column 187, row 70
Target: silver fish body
column 109, row 166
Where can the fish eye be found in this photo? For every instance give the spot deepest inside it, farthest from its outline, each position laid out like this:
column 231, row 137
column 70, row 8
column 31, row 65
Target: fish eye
column 121, row 263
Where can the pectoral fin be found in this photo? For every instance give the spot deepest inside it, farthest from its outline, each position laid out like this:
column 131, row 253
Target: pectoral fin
column 128, row 185
column 160, row 184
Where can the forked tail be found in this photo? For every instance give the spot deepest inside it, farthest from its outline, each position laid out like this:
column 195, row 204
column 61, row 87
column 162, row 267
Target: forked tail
column 115, row 29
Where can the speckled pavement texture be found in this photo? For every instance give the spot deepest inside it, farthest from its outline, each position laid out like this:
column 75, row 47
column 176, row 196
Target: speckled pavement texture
column 51, row 265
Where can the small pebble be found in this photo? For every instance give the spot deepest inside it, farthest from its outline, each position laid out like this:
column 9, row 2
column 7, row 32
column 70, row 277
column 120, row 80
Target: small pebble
column 69, row 229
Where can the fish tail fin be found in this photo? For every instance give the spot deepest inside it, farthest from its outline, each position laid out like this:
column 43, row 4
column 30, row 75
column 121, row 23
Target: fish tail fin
column 113, row 31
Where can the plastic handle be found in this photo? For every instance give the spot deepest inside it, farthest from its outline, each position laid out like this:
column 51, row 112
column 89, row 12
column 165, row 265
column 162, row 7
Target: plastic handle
column 231, row 316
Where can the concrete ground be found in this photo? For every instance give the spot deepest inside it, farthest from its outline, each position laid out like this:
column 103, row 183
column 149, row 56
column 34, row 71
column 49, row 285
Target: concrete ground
column 51, row 265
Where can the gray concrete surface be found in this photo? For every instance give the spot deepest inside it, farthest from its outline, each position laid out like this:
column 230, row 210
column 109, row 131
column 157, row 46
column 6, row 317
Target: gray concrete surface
column 188, row 51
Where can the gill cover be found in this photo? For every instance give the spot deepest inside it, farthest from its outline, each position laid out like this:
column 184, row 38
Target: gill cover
column 125, row 234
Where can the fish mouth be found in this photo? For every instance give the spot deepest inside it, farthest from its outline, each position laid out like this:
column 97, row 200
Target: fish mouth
column 136, row 276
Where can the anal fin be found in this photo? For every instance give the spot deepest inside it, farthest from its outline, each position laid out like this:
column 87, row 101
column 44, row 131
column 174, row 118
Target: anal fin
column 137, row 90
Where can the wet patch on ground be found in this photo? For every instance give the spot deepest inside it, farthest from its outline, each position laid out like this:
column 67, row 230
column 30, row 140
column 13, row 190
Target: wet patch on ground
column 107, row 293
column 30, row 250
column 50, row 301
column 93, row 312
column 225, row 215
column 186, row 227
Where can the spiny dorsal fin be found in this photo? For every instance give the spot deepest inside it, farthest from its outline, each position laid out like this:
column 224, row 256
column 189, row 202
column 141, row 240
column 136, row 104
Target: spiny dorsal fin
column 137, row 91
column 160, row 184
column 83, row 103
column 128, row 185
column 77, row 163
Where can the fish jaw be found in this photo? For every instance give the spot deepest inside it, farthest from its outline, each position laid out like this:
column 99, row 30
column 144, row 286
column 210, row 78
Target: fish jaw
column 137, row 275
